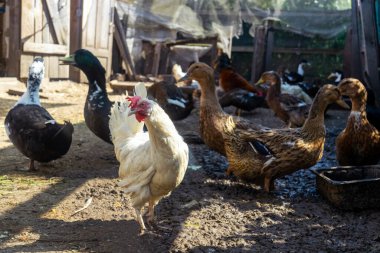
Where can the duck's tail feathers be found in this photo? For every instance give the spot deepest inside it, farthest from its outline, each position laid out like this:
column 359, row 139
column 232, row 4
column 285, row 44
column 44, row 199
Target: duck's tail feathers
column 66, row 129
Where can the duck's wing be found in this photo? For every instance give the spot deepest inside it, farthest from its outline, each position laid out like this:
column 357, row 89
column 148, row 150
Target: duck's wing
column 176, row 96
column 32, row 129
column 289, row 102
column 269, row 142
column 233, row 97
column 28, row 118
column 165, row 93
column 242, row 99
column 292, row 77
column 32, row 120
column 242, row 123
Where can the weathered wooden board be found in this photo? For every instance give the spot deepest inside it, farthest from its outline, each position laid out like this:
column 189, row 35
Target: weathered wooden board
column 46, row 48
column 122, row 86
column 258, row 53
column 369, row 47
column 93, row 24
column 44, row 32
column 123, row 48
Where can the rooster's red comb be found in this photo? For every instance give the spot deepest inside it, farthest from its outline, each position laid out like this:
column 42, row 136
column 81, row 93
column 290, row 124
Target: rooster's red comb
column 134, row 101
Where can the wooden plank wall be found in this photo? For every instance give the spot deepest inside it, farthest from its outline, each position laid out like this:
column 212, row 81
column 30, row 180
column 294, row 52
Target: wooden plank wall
column 12, row 41
column 95, row 32
column 43, row 28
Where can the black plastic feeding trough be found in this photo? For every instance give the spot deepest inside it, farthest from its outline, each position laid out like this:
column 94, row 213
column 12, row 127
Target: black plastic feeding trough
column 350, row 188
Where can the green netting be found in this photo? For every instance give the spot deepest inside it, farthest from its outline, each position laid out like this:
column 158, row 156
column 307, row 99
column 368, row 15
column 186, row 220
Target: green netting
column 162, row 20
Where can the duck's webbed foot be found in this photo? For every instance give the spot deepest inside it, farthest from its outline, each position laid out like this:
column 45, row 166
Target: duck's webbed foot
column 268, row 184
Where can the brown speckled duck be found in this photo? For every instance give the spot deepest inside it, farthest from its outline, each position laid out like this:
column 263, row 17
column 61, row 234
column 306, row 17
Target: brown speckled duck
column 261, row 156
column 359, row 142
column 212, row 119
column 290, row 109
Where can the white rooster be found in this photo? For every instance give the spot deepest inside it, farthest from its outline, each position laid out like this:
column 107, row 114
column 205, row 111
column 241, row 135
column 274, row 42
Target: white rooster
column 152, row 163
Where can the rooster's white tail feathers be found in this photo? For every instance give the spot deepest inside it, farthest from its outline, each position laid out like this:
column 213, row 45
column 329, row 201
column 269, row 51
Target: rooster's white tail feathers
column 140, row 90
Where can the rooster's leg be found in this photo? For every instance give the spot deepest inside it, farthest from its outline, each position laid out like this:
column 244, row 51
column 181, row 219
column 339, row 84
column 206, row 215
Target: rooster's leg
column 140, row 220
column 151, row 211
column 31, row 165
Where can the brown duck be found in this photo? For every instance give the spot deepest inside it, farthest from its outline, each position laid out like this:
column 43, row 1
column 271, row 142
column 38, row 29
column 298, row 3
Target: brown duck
column 359, row 142
column 212, row 119
column 290, row 109
column 261, row 156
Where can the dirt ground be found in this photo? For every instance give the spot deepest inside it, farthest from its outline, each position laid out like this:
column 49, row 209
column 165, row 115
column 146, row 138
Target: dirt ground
column 209, row 212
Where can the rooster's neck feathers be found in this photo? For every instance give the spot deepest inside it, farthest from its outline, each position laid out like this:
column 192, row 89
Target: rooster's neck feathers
column 159, row 123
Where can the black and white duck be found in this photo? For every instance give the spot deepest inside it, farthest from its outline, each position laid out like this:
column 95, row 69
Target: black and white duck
column 295, row 77
column 170, row 97
column 242, row 100
column 32, row 129
column 336, row 76
column 97, row 106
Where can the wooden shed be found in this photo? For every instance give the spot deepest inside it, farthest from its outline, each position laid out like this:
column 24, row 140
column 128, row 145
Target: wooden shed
column 52, row 29
column 362, row 48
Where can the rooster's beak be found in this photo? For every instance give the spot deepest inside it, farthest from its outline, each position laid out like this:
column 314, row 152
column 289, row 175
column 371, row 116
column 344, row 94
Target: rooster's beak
column 131, row 112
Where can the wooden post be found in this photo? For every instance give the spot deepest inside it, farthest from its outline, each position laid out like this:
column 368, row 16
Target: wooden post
column 269, row 44
column 355, row 48
column 214, row 49
column 13, row 14
column 369, row 46
column 258, row 53
column 123, row 47
column 348, row 54
column 76, row 9
column 156, row 58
